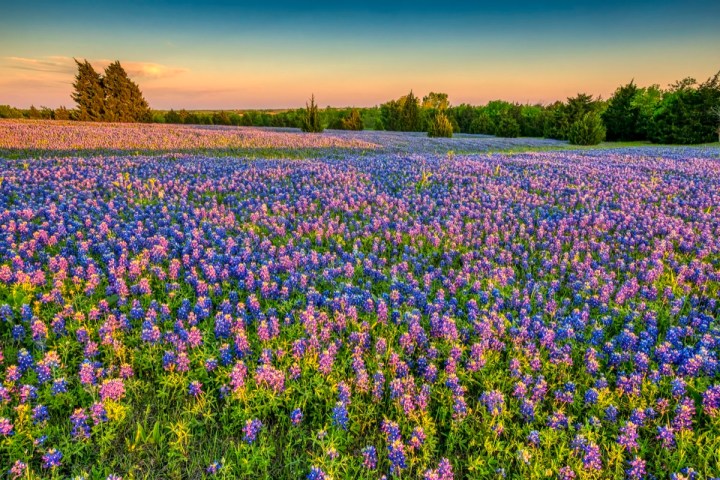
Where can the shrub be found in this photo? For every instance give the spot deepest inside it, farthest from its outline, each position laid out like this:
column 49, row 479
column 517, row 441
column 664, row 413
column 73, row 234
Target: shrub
column 440, row 126
column 588, row 130
column 311, row 118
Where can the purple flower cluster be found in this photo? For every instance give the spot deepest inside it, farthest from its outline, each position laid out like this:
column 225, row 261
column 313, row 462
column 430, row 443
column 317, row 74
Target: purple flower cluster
column 251, row 430
column 444, row 471
column 566, row 296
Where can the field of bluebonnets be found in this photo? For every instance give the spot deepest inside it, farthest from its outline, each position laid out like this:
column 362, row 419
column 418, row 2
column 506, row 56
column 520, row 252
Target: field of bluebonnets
column 360, row 305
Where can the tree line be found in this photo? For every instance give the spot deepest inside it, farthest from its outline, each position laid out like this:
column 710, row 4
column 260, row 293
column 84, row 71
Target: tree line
column 686, row 112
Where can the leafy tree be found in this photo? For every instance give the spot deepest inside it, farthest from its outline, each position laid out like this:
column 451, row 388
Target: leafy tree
column 437, row 101
column 62, row 113
column 482, row 123
column 371, row 118
column 221, row 118
column 463, row 115
column 531, row 120
column 685, row 114
column 173, row 117
column 353, row 121
column 311, row 118
column 503, row 119
column 554, row 121
column 560, row 117
column 716, row 111
column 646, row 101
column 390, row 115
column 34, row 113
column 577, row 107
column 507, row 127
column 235, row 119
column 440, row 126
column 622, row 117
column 402, row 115
column 6, row 111
column 123, row 100
column 588, row 130
column 88, row 93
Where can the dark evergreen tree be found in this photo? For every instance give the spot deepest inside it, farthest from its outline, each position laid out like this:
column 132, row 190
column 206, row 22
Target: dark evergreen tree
column 88, row 93
column 123, row 100
column 622, row 117
column 410, row 114
column 311, row 118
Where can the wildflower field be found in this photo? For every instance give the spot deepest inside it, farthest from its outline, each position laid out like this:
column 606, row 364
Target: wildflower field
column 369, row 305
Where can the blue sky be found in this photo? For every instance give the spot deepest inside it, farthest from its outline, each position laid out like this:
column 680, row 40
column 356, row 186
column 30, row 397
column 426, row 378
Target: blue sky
column 223, row 54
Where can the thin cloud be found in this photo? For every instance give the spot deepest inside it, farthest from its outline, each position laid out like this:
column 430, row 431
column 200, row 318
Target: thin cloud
column 66, row 65
column 45, row 64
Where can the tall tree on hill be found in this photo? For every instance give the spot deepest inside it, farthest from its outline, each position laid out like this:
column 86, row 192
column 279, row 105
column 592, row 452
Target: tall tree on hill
column 123, row 100
column 89, row 94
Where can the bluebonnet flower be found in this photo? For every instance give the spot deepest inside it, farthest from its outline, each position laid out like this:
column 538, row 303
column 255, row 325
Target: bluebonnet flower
column 636, row 469
column 40, row 414
column 369, row 457
column 316, row 474
column 340, row 415
column 252, row 428
column 195, row 388
column 52, row 458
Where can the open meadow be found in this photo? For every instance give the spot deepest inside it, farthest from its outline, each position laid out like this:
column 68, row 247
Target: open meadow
column 188, row 302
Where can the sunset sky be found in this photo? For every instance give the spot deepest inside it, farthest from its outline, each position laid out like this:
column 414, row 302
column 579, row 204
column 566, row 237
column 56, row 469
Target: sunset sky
column 224, row 54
